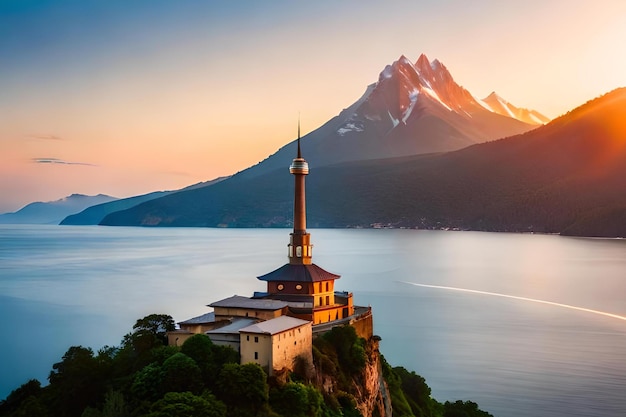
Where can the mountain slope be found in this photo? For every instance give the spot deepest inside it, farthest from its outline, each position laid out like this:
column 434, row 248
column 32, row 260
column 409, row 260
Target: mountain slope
column 93, row 215
column 564, row 177
column 53, row 212
column 499, row 105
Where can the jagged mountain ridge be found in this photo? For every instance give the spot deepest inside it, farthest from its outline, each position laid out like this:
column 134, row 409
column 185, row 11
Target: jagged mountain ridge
column 411, row 109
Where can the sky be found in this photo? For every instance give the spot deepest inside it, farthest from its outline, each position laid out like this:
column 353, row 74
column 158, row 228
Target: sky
column 129, row 97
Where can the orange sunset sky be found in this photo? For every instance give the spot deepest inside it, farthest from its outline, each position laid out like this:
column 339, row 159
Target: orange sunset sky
column 125, row 98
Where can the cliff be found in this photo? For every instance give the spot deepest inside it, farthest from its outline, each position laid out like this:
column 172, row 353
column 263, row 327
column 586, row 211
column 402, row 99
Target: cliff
column 349, row 372
column 372, row 393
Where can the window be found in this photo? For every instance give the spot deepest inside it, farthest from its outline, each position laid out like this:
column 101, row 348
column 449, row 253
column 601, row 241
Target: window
column 280, row 287
column 321, row 301
column 327, row 300
column 327, row 287
column 256, row 339
column 248, row 337
column 319, row 287
column 256, row 355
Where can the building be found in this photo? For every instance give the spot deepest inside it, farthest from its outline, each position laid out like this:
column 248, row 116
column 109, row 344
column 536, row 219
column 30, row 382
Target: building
column 274, row 344
column 274, row 327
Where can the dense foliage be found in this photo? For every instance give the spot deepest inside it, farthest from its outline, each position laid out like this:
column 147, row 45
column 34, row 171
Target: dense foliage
column 144, row 377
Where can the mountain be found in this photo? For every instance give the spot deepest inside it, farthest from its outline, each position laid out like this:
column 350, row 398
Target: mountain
column 499, row 105
column 93, row 215
column 411, row 109
column 564, row 177
column 53, row 212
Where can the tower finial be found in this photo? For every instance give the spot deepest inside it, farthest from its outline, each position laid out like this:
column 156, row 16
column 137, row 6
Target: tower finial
column 299, row 154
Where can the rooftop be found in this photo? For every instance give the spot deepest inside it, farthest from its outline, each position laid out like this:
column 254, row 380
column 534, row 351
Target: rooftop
column 299, row 273
column 205, row 318
column 234, row 326
column 274, row 326
column 237, row 301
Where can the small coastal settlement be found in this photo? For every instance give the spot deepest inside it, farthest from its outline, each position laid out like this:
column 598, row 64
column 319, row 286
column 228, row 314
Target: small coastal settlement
column 275, row 327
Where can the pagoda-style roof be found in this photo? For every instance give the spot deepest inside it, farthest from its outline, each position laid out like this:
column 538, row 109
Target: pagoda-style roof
column 299, row 273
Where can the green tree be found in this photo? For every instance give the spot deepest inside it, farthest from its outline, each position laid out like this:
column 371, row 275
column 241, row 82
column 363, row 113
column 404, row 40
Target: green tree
column 350, row 348
column 209, row 357
column 185, row 404
column 31, row 407
column 76, row 382
column 13, row 401
column 180, row 373
column 114, row 405
column 147, row 383
column 401, row 407
column 416, row 392
column 157, row 324
column 295, row 399
column 463, row 409
column 243, row 388
column 148, row 333
column 200, row 348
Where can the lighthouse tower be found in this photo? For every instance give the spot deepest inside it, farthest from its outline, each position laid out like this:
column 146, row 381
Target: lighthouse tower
column 300, row 248
column 308, row 289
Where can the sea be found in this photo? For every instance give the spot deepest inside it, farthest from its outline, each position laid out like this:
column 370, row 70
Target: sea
column 522, row 324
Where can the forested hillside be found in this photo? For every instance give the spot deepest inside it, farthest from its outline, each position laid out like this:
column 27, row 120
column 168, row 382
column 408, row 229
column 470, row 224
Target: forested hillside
column 144, row 377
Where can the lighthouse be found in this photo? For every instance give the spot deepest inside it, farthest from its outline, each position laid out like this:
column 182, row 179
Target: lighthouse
column 308, row 288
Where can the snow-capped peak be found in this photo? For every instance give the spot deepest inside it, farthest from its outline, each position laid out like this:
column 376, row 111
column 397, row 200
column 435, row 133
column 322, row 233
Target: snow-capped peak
column 497, row 104
column 405, row 91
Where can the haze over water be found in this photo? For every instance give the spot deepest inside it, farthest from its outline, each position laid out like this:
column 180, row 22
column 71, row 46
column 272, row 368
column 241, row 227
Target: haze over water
column 493, row 318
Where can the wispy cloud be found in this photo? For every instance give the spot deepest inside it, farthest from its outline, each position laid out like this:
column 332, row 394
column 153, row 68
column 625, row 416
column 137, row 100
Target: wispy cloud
column 58, row 161
column 45, row 137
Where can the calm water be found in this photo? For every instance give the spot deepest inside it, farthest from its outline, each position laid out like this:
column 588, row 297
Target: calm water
column 62, row 286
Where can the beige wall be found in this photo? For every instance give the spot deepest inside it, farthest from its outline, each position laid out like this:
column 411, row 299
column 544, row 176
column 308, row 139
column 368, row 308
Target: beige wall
column 242, row 312
column 287, row 345
column 201, row 328
column 259, row 343
column 278, row 351
column 177, row 338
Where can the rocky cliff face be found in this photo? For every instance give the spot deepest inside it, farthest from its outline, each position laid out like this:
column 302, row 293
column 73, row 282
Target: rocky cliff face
column 368, row 387
column 372, row 396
